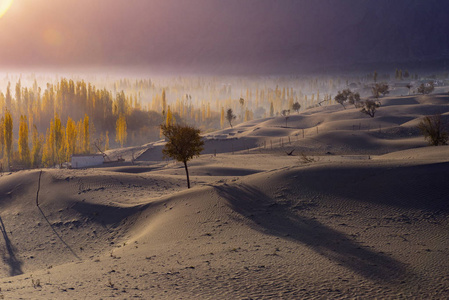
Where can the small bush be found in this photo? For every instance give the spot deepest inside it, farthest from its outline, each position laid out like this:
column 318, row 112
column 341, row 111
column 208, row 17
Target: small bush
column 304, row 159
column 426, row 89
column 433, row 130
column 370, row 107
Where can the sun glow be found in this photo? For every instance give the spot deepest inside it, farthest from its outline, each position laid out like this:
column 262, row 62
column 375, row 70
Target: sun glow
column 4, row 6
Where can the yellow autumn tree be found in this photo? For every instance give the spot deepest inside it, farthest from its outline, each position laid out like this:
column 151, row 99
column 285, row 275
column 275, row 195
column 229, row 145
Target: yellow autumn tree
column 7, row 128
column 37, row 140
column 169, row 120
column 86, row 143
column 106, row 141
column 79, row 137
column 120, row 130
column 24, row 149
column 208, row 111
column 164, row 102
column 71, row 134
column 222, row 117
column 48, row 153
column 58, row 139
column 248, row 115
column 2, row 135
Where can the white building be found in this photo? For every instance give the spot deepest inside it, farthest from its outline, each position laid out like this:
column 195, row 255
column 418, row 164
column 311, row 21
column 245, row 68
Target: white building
column 87, row 160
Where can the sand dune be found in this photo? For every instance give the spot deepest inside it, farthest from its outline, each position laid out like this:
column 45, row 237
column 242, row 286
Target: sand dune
column 364, row 214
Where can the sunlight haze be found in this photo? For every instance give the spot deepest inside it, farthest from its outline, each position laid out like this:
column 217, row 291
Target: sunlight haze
column 220, row 36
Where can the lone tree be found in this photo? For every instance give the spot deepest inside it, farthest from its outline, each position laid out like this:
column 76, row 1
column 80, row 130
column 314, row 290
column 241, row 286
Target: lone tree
column 369, row 107
column 230, row 116
column 426, row 89
column 433, row 130
column 286, row 114
column 296, row 107
column 183, row 143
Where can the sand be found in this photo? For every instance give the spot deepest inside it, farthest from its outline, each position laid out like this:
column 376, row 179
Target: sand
column 359, row 210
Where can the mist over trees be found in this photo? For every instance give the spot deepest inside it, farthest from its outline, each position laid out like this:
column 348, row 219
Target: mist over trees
column 66, row 116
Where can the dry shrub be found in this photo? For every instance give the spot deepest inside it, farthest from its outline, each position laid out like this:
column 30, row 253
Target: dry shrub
column 433, row 130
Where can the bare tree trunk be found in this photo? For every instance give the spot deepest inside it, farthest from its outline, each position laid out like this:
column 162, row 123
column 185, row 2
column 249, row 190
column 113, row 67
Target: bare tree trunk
column 187, row 173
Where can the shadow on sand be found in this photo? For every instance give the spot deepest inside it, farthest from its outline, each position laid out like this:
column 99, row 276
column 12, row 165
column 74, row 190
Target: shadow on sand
column 421, row 186
column 57, row 234
column 278, row 220
column 48, row 222
column 9, row 257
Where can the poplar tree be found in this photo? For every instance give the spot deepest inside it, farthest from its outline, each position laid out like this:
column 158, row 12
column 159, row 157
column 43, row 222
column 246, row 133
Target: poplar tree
column 2, row 136
column 290, row 103
column 58, row 139
column 37, row 147
column 222, row 117
column 7, row 127
column 48, row 153
column 24, row 149
column 120, row 130
column 164, row 102
column 106, row 141
column 19, row 96
column 169, row 119
column 79, row 136
column 71, row 134
column 86, row 143
column 8, row 96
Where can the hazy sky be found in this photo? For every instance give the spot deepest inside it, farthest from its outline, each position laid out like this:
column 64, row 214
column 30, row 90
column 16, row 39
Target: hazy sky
column 214, row 34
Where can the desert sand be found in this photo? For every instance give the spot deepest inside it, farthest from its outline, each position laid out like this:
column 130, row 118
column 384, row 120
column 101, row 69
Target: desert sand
column 358, row 211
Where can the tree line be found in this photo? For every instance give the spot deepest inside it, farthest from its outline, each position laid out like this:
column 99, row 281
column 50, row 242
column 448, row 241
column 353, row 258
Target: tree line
column 46, row 127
